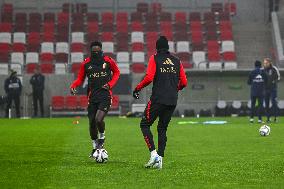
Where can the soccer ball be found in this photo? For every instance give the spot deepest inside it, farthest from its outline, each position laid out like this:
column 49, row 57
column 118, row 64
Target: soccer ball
column 100, row 155
column 264, row 130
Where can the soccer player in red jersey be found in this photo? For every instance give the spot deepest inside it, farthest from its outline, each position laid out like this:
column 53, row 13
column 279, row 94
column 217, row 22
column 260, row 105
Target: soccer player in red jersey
column 102, row 73
column 168, row 77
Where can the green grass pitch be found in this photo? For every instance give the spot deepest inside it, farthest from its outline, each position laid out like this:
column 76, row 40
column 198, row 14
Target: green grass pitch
column 53, row 153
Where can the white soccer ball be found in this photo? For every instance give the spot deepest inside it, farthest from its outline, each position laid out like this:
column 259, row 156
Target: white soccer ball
column 100, row 155
column 264, row 130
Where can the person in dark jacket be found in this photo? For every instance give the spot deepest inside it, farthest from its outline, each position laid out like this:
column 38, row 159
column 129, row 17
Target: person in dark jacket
column 273, row 77
column 13, row 89
column 168, row 77
column 257, row 80
column 37, row 82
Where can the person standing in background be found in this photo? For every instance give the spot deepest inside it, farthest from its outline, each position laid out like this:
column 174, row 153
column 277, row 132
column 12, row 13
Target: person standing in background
column 13, row 89
column 37, row 82
column 273, row 77
column 257, row 80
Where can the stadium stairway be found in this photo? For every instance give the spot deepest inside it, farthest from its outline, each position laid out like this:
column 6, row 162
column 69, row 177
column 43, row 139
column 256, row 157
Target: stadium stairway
column 253, row 41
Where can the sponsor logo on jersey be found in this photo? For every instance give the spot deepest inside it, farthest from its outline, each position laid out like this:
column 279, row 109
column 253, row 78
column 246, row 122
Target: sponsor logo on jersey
column 168, row 61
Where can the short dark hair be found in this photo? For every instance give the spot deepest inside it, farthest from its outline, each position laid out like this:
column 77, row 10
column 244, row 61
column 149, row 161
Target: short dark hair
column 257, row 64
column 96, row 43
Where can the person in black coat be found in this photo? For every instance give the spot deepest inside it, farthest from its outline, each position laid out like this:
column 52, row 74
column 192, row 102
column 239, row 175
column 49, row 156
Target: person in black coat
column 13, row 89
column 37, row 82
column 257, row 80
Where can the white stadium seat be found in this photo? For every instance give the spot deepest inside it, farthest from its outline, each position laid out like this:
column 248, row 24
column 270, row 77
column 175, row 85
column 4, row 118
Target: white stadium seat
column 17, row 68
column 138, row 57
column 124, row 68
column 171, row 47
column 108, row 47
column 122, row 57
column 47, row 47
column 198, row 57
column 32, row 57
column 182, row 46
column 5, row 37
column 17, row 57
column 137, row 37
column 4, row 69
column 228, row 46
column 60, row 69
column 19, row 37
column 62, row 47
column 77, row 37
column 77, row 57
column 215, row 65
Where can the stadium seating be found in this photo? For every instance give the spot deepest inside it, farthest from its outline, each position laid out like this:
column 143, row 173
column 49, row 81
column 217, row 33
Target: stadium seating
column 209, row 31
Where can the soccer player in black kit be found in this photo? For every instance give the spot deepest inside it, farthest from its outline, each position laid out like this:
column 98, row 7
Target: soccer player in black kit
column 102, row 73
column 168, row 76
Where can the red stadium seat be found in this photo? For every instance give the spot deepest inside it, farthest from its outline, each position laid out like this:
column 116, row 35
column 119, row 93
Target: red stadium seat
column 68, row 7
column 107, row 36
column 180, row 27
column 92, row 27
column 57, row 103
column 77, row 47
column 213, row 46
column 63, row 18
column 71, row 102
column 107, row 17
column 48, row 37
column 75, row 67
column 138, row 68
column 107, row 27
column 225, row 25
column 61, row 57
column 226, row 35
column 6, row 18
column 214, row 56
column 46, row 68
column 187, row 65
column 6, row 27
column 83, row 102
column 121, row 17
column 168, row 34
column 4, row 47
column 136, row 26
column 122, row 27
column 195, row 26
column 30, row 68
column 209, row 16
column 46, row 58
column 180, row 17
column 137, row 46
column 212, row 35
column 229, row 56
column 18, row 47
column 197, row 37
column 4, row 57
column 48, row 27
column 166, row 26
column 184, row 56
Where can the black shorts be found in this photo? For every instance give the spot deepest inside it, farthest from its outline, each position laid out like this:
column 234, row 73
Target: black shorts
column 103, row 106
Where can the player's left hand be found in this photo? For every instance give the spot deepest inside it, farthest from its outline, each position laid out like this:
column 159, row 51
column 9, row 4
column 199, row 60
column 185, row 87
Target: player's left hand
column 106, row 87
column 135, row 94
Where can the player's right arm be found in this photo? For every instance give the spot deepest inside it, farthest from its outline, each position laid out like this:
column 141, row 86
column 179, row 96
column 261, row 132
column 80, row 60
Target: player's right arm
column 80, row 78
